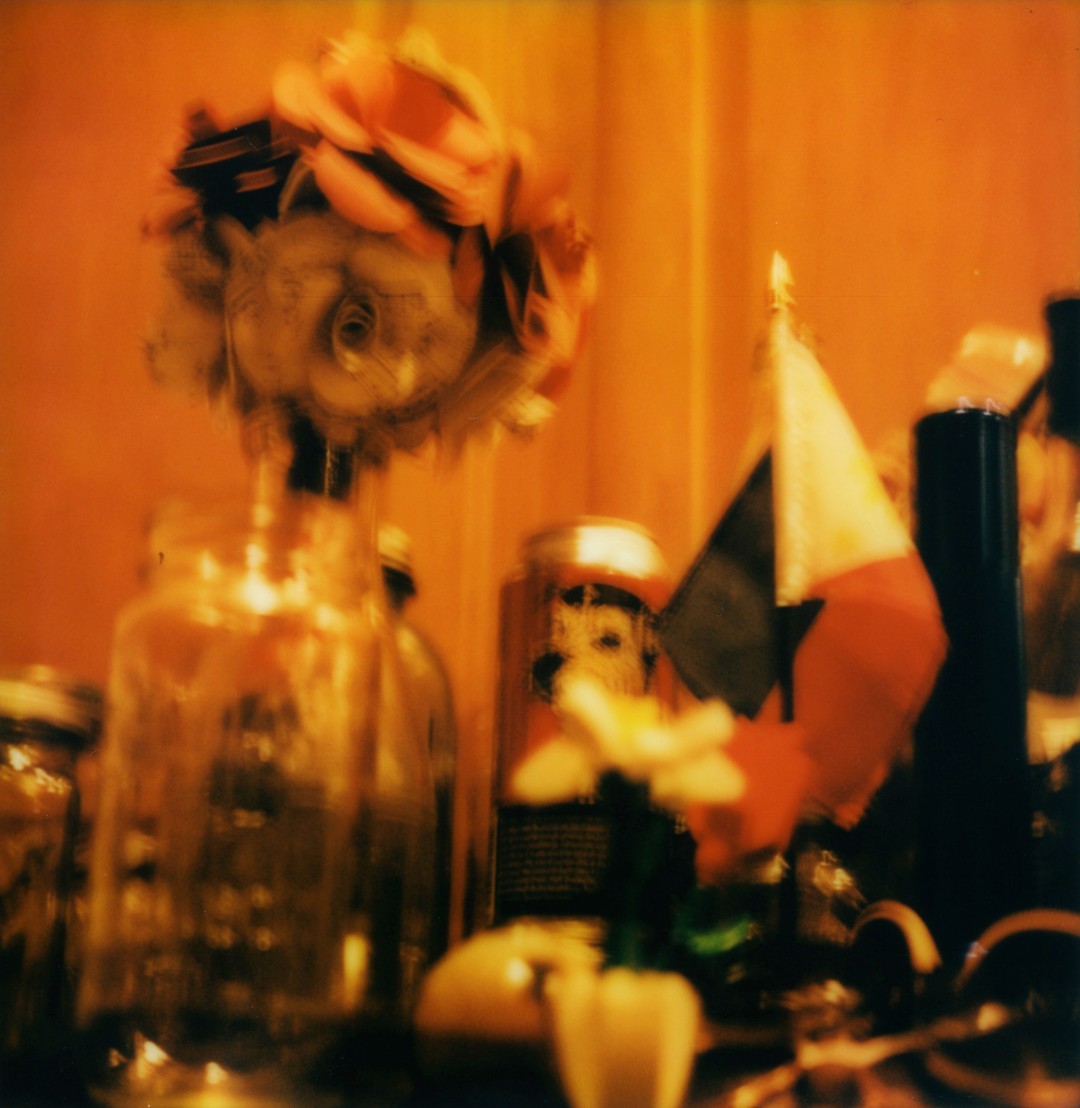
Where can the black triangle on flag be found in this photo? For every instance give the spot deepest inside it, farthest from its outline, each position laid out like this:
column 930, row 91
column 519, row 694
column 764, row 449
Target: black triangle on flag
column 721, row 627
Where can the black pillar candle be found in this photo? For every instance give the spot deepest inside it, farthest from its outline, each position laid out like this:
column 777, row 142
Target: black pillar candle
column 972, row 803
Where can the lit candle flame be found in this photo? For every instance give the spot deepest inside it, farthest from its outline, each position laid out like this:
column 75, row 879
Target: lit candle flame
column 780, row 282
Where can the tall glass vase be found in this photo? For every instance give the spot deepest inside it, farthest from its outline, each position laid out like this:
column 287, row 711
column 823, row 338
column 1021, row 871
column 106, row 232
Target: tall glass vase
column 262, row 864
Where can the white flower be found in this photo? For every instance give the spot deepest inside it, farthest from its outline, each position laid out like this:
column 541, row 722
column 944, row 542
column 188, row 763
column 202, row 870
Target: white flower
column 680, row 758
column 623, row 1039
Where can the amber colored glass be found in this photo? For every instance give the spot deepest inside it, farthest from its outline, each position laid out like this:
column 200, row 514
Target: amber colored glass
column 261, row 867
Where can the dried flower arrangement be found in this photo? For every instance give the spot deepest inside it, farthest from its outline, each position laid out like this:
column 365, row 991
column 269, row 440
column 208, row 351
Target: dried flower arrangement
column 377, row 251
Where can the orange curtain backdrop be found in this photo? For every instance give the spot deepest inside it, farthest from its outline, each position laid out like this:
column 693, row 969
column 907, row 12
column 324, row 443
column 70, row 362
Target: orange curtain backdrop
column 916, row 161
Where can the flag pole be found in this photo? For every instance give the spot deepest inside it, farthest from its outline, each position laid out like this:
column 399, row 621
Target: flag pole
column 780, row 301
column 785, row 660
column 788, row 905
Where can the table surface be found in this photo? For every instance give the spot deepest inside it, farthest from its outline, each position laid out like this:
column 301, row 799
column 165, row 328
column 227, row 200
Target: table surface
column 724, row 1077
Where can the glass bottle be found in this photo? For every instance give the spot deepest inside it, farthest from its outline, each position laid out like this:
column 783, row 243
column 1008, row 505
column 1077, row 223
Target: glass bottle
column 1052, row 599
column 48, row 721
column 430, row 690
column 260, row 871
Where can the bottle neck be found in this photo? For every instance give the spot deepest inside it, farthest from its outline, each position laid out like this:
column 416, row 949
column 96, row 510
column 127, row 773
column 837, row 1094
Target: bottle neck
column 1063, row 422
column 310, row 513
column 1059, row 529
column 292, row 457
column 1052, row 600
column 319, row 466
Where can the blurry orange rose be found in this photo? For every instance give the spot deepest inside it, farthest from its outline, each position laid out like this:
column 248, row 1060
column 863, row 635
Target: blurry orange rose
column 406, row 151
column 393, row 136
column 547, row 265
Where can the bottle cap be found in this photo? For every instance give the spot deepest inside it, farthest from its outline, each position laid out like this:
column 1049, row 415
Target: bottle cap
column 1063, row 374
column 617, row 545
column 49, row 705
column 395, row 549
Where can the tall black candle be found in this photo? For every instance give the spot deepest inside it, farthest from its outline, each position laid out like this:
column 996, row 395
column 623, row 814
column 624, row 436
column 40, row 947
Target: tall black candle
column 972, row 804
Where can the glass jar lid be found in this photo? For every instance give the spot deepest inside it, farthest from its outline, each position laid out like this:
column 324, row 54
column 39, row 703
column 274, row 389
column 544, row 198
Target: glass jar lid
column 45, row 704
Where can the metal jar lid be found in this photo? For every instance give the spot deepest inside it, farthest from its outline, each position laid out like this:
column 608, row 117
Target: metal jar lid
column 616, row 545
column 45, row 704
column 395, row 549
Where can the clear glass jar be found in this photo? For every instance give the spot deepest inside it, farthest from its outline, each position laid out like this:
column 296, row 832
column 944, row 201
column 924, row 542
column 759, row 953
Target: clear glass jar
column 47, row 721
column 261, row 863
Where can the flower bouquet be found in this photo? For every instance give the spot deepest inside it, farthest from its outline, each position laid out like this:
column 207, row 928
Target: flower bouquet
column 377, row 254
column 626, row 1032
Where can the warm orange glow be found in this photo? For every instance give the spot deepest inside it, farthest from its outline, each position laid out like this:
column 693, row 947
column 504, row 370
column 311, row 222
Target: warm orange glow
column 918, row 164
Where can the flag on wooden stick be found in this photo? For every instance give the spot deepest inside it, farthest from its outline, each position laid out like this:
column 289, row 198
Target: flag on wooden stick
column 867, row 639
